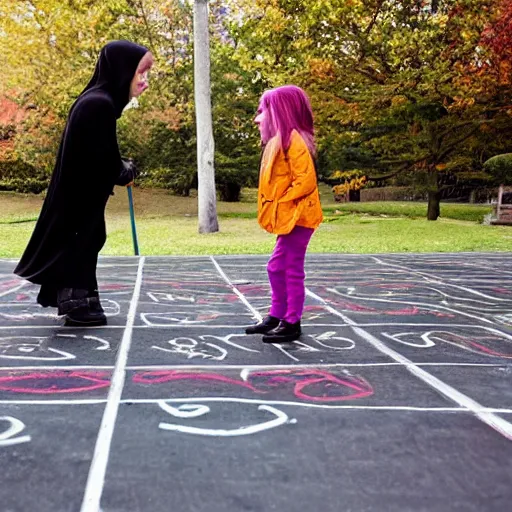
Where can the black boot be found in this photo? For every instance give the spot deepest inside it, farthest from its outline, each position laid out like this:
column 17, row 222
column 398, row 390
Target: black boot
column 266, row 325
column 80, row 309
column 284, row 333
column 95, row 304
column 47, row 296
column 85, row 317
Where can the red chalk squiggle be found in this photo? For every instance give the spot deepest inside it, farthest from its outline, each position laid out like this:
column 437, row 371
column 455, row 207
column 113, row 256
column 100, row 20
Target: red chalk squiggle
column 303, row 383
column 58, row 382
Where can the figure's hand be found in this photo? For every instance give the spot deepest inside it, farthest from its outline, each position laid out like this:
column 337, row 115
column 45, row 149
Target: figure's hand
column 130, row 167
column 128, row 173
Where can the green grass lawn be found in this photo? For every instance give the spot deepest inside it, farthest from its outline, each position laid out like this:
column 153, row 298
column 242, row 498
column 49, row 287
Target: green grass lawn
column 168, row 225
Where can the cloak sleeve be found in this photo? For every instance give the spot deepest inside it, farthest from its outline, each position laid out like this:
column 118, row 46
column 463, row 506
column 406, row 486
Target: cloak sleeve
column 91, row 159
column 100, row 153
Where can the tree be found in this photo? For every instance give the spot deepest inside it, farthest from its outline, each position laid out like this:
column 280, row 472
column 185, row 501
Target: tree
column 403, row 85
column 498, row 34
column 417, row 91
column 49, row 49
column 207, row 200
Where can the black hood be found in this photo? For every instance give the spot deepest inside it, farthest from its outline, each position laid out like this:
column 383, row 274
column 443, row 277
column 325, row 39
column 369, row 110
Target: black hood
column 115, row 69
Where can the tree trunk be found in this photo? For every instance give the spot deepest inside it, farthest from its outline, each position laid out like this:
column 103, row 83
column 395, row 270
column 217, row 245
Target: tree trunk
column 206, row 194
column 354, row 196
column 230, row 192
column 434, row 194
column 434, row 211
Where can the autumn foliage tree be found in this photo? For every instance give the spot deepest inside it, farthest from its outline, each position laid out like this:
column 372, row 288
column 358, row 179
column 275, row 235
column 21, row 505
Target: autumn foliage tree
column 498, row 34
column 416, row 90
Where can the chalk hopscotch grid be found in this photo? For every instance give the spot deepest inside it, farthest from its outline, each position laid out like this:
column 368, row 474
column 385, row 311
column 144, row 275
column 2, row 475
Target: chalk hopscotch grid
column 431, row 278
column 256, row 316
column 465, row 404
column 424, row 276
column 463, row 401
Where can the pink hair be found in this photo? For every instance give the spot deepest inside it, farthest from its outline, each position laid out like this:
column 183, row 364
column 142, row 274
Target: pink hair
column 287, row 108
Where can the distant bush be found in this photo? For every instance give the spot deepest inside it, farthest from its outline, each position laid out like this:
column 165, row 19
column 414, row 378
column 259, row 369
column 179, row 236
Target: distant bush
column 19, row 176
column 181, row 181
column 500, row 167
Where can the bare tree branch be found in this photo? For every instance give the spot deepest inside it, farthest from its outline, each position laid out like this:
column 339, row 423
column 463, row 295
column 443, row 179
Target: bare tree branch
column 455, row 143
column 146, row 24
column 407, row 162
column 374, row 18
column 372, row 75
column 383, row 177
column 447, row 132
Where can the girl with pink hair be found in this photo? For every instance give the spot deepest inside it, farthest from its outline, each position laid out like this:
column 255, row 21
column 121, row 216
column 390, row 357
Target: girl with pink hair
column 288, row 205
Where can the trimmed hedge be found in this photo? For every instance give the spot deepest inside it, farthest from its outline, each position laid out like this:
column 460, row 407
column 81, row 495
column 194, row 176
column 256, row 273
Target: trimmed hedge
column 19, row 176
column 500, row 167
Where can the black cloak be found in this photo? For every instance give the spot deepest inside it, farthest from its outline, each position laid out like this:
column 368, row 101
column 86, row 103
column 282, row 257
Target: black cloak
column 70, row 231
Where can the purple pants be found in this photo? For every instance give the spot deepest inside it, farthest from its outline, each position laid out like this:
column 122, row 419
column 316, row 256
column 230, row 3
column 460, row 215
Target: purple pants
column 286, row 274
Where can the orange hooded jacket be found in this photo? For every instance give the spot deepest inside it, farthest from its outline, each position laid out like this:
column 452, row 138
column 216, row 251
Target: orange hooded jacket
column 288, row 190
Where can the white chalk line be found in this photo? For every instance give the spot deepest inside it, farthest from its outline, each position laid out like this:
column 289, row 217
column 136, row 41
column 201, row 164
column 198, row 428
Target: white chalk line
column 495, row 422
column 307, row 365
column 38, row 310
column 215, row 367
column 310, row 405
column 256, row 314
column 98, row 468
column 86, row 401
column 432, row 278
column 417, row 304
column 231, row 326
column 60, row 326
column 437, row 325
column 43, row 367
column 170, row 304
column 15, row 289
column 158, row 326
column 8, row 437
column 280, row 418
column 150, row 401
column 491, row 282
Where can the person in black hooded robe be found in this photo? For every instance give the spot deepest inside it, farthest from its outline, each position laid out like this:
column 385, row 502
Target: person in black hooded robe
column 62, row 253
